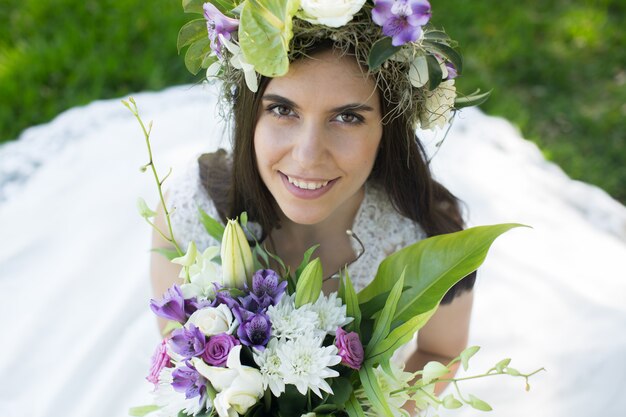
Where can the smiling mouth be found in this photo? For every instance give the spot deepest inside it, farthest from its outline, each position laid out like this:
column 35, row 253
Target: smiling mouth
column 307, row 185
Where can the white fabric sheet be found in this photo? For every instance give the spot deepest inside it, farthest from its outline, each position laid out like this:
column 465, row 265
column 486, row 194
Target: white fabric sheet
column 78, row 333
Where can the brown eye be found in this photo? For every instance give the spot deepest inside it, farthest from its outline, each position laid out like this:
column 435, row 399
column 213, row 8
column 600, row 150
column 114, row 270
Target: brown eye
column 281, row 111
column 349, row 118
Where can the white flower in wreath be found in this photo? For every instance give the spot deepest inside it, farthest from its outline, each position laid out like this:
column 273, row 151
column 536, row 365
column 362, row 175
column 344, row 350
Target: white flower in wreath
column 332, row 13
column 438, row 106
column 238, row 61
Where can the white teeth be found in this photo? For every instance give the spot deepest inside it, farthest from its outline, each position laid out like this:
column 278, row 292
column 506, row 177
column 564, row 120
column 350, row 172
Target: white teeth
column 307, row 185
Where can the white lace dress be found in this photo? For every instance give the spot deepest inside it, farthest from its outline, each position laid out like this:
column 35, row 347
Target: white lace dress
column 378, row 225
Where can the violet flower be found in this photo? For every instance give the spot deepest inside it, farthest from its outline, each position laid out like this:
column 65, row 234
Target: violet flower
column 171, row 306
column 266, row 289
column 452, row 72
column 217, row 349
column 401, row 19
column 349, row 348
column 188, row 342
column 254, row 329
column 218, row 24
column 186, row 379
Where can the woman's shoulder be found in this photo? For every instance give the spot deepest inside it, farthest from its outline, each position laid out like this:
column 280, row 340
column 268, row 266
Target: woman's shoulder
column 186, row 195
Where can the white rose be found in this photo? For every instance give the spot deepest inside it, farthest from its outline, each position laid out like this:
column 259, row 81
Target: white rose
column 438, row 106
column 239, row 387
column 213, row 320
column 332, row 13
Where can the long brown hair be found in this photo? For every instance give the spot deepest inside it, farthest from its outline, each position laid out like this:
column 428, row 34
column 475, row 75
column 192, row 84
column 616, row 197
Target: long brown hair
column 401, row 168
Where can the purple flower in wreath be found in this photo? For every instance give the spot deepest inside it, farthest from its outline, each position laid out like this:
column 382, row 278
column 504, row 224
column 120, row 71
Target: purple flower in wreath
column 254, row 329
column 188, row 342
column 171, row 306
column 401, row 19
column 186, row 379
column 218, row 24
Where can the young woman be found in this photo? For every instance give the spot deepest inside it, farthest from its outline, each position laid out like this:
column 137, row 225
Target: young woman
column 326, row 148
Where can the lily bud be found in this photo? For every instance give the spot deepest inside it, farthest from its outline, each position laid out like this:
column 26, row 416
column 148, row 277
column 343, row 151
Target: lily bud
column 236, row 256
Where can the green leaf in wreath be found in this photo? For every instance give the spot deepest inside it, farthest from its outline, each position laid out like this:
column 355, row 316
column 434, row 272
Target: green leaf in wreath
column 475, row 99
column 194, row 6
column 433, row 266
column 196, row 53
column 191, row 32
column 434, row 72
column 265, row 30
column 447, row 52
column 381, row 51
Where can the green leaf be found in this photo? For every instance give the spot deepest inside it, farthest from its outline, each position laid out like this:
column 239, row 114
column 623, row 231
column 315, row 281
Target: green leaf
column 305, row 259
column 432, row 265
column 169, row 326
column 434, row 72
column 167, row 252
column 243, row 219
column 195, row 55
column 342, row 389
column 478, row 404
column 474, row 99
column 502, row 364
column 142, row 410
column 402, row 334
column 382, row 324
column 194, row 6
column 212, row 226
column 436, row 35
column 265, row 29
column 446, row 51
column 353, row 408
column 373, row 391
column 511, row 371
column 350, row 299
column 309, row 283
column 224, row 6
column 467, row 354
column 433, row 370
column 381, row 51
column 450, row 402
column 144, row 211
column 191, row 32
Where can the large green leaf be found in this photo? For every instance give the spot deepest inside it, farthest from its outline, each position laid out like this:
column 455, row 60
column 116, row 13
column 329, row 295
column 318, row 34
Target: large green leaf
column 384, row 319
column 191, row 32
column 265, row 30
column 309, row 283
column 195, row 55
column 373, row 391
column 381, row 51
column 433, row 266
column 349, row 297
column 353, row 408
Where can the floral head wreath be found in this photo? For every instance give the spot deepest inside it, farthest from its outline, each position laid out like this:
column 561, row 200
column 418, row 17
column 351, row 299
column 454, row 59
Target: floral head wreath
column 414, row 65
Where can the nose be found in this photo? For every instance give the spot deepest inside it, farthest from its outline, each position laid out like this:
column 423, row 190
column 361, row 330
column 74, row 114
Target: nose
column 309, row 146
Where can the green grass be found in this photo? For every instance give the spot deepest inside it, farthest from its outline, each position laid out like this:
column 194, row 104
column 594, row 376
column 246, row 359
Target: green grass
column 557, row 67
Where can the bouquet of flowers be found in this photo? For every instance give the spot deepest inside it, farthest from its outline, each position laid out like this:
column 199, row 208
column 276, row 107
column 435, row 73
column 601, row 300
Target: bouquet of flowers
column 251, row 341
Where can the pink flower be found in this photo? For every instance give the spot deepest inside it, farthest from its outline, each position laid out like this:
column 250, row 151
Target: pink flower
column 217, row 349
column 350, row 348
column 160, row 360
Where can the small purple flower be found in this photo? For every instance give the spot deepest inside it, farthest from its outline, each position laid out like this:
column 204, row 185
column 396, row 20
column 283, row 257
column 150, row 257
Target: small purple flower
column 350, row 348
column 254, row 329
column 193, row 304
column 218, row 24
column 452, row 72
column 401, row 19
column 217, row 349
column 188, row 342
column 160, row 360
column 172, row 306
column 223, row 296
column 186, row 379
column 266, row 289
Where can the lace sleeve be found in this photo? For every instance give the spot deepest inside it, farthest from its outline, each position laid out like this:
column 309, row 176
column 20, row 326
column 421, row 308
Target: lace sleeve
column 185, row 195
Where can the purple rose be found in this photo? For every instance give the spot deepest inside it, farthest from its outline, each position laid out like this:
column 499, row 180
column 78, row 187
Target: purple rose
column 350, row 348
column 171, row 306
column 217, row 349
column 160, row 360
column 401, row 19
column 188, row 342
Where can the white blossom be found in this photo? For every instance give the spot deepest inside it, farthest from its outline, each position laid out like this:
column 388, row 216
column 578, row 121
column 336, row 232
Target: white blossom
column 438, row 106
column 331, row 313
column 269, row 366
column 332, row 13
column 172, row 401
column 289, row 322
column 214, row 320
column 305, row 363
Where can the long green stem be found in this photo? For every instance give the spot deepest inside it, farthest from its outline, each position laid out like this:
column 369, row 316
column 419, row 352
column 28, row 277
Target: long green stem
column 159, row 182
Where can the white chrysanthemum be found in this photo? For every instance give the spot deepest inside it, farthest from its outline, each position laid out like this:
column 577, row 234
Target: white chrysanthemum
column 171, row 401
column 389, row 383
column 289, row 322
column 438, row 106
column 331, row 312
column 269, row 366
column 305, row 363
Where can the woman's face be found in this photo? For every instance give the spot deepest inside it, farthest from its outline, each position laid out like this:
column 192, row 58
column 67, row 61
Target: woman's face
column 316, row 138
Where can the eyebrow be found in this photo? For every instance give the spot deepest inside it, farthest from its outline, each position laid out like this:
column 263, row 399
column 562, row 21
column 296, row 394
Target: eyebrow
column 350, row 106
